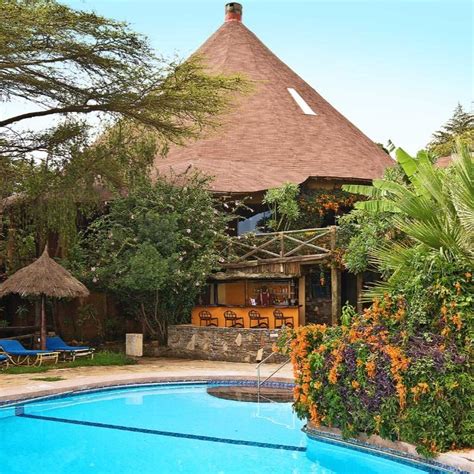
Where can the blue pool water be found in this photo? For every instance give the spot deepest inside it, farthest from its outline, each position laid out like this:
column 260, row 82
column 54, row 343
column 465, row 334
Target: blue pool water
column 169, row 429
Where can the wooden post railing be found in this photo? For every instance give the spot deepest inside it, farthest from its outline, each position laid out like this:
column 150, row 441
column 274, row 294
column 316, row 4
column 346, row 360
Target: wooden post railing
column 278, row 247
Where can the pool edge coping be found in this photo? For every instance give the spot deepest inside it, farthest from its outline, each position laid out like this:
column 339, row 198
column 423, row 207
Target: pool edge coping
column 44, row 395
column 389, row 453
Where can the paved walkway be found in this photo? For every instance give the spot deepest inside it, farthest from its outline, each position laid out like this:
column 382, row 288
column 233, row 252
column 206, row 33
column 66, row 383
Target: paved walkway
column 14, row 387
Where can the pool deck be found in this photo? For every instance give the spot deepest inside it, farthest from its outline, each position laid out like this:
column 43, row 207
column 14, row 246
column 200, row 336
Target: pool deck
column 149, row 370
column 21, row 386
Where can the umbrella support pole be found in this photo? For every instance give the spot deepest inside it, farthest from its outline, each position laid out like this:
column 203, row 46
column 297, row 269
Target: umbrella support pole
column 43, row 324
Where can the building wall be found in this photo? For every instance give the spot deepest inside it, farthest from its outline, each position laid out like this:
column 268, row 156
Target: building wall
column 234, row 293
column 231, row 345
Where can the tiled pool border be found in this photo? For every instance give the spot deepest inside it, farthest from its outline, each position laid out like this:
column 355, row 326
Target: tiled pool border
column 427, row 465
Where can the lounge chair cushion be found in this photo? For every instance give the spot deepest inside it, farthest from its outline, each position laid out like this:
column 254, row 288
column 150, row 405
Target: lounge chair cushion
column 57, row 344
column 15, row 348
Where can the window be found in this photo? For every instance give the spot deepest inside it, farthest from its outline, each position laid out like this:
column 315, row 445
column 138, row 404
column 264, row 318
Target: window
column 307, row 110
column 251, row 223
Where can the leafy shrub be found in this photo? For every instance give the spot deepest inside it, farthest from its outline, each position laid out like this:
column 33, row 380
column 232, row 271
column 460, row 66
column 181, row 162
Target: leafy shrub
column 155, row 249
column 400, row 370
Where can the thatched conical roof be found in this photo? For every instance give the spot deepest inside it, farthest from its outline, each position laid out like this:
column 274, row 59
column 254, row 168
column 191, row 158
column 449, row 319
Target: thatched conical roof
column 44, row 277
column 269, row 138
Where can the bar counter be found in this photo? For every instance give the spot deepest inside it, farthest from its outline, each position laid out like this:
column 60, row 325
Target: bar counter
column 217, row 311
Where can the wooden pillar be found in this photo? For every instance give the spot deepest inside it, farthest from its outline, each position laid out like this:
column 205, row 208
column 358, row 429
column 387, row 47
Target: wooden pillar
column 335, row 282
column 221, row 293
column 282, row 250
column 359, row 285
column 43, row 324
column 335, row 294
column 302, row 299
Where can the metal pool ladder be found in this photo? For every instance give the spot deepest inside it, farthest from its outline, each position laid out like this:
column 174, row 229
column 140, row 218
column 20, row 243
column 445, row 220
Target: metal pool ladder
column 259, row 381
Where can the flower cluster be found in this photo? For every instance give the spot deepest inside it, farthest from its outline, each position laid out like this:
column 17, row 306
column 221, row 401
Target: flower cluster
column 322, row 202
column 389, row 372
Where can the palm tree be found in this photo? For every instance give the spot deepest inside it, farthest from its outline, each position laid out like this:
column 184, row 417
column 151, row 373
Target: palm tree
column 434, row 213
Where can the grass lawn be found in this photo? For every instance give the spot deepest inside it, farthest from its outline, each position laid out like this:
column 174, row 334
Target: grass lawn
column 104, row 358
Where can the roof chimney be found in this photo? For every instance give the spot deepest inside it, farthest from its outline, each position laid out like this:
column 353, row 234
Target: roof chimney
column 233, row 12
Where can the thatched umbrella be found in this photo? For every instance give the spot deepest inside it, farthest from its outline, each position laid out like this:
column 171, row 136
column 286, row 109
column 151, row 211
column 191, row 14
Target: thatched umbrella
column 44, row 278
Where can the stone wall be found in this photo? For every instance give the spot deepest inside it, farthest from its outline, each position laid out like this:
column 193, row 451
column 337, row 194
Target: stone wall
column 211, row 343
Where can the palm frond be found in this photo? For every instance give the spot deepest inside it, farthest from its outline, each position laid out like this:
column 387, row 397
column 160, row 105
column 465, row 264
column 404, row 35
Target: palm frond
column 386, row 186
column 362, row 189
column 377, row 205
column 407, row 162
column 435, row 216
column 462, row 191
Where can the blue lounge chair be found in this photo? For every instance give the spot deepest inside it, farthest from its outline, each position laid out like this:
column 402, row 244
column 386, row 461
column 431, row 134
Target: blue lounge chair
column 57, row 344
column 4, row 360
column 19, row 355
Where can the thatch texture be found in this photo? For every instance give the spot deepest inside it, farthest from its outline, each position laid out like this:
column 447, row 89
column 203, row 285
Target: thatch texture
column 266, row 139
column 44, row 277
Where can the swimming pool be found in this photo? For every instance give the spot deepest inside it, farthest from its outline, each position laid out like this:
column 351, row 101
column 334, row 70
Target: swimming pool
column 169, row 428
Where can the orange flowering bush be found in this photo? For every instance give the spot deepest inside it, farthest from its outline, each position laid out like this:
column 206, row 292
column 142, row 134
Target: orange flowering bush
column 390, row 372
column 320, row 207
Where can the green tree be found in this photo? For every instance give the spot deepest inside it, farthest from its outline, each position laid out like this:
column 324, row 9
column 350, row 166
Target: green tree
column 370, row 222
column 358, row 233
column 432, row 215
column 107, row 103
column 155, row 249
column 61, row 61
column 283, row 204
column 460, row 127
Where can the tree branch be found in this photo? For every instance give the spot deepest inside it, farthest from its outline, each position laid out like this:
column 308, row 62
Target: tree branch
column 57, row 110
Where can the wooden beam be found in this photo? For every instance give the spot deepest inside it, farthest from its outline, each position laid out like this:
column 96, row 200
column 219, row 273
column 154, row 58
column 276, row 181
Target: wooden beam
column 255, row 249
column 43, row 325
column 307, row 243
column 302, row 299
column 321, row 231
column 255, row 263
column 335, row 294
column 335, row 282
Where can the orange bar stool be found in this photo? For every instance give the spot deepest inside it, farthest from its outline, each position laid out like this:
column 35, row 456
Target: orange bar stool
column 232, row 320
column 258, row 320
column 281, row 319
column 207, row 318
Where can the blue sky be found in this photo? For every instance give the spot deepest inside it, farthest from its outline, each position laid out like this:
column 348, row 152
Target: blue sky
column 394, row 68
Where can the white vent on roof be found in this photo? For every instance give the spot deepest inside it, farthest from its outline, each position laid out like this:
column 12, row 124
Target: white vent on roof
column 301, row 102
